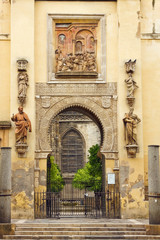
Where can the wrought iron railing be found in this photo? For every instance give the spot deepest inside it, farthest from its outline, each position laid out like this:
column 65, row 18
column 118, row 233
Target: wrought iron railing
column 79, row 203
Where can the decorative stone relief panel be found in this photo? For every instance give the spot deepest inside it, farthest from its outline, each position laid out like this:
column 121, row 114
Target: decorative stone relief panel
column 76, row 49
column 74, row 53
column 88, row 97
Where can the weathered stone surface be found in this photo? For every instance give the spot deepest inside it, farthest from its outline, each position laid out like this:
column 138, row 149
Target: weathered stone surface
column 153, row 229
column 7, row 229
column 20, row 181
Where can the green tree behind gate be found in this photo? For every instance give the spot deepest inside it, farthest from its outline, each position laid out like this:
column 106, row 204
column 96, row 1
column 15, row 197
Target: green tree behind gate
column 90, row 176
column 55, row 182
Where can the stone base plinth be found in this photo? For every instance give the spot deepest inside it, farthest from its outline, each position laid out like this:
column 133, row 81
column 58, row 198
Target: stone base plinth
column 132, row 150
column 22, row 149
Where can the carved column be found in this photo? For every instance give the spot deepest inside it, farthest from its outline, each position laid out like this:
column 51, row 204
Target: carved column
column 5, row 185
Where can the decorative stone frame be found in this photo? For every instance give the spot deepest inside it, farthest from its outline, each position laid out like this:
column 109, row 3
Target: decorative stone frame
column 52, row 99
column 51, row 55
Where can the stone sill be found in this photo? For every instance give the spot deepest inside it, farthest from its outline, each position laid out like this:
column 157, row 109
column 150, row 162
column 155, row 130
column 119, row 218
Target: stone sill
column 76, row 74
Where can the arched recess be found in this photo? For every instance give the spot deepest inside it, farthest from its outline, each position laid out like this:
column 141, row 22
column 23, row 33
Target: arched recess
column 102, row 117
column 84, row 36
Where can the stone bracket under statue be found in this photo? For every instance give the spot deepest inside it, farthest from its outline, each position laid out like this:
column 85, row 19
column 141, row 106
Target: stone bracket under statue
column 76, row 47
column 131, row 120
column 21, row 149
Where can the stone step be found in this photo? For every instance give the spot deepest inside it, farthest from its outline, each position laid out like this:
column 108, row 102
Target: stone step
column 70, row 225
column 80, row 229
column 81, row 237
column 70, row 233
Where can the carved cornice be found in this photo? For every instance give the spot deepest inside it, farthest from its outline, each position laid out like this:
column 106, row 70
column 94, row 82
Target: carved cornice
column 44, row 89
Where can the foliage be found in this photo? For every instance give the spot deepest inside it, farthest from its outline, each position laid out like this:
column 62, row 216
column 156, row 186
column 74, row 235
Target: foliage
column 55, row 182
column 90, row 176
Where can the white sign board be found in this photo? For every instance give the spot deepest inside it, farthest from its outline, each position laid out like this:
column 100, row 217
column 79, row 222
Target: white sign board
column 111, row 178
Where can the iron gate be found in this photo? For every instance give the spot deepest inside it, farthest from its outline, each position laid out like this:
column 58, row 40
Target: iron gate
column 78, row 204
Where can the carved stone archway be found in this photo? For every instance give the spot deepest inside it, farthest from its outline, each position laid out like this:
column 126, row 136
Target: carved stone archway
column 103, row 110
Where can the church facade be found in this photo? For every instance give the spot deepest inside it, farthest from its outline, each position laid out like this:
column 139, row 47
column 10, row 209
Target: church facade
column 82, row 73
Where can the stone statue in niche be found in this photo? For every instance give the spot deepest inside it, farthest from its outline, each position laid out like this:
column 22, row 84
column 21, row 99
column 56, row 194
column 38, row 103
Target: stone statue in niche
column 22, row 80
column 130, row 82
column 76, row 49
column 22, row 123
column 130, row 122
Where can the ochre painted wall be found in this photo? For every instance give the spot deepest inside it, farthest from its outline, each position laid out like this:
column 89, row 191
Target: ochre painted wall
column 22, row 46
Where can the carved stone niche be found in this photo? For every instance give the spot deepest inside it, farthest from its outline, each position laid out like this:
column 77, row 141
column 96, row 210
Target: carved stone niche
column 22, row 149
column 76, row 49
column 132, row 150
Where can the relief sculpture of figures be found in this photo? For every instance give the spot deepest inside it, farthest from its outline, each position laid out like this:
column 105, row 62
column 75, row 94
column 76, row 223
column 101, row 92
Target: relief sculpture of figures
column 22, row 123
column 130, row 121
column 81, row 62
column 76, row 49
